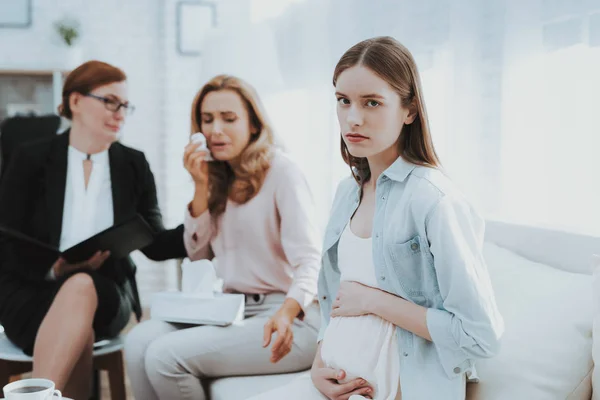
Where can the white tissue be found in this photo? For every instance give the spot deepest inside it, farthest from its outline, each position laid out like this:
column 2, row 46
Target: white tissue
column 199, row 138
column 198, row 278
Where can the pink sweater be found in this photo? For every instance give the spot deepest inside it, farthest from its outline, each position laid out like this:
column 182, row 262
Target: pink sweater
column 270, row 244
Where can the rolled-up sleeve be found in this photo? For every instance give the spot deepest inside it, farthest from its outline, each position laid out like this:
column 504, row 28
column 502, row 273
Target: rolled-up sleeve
column 469, row 326
column 197, row 235
column 300, row 236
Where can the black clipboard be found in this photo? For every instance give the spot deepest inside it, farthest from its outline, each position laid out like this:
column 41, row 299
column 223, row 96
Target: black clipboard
column 120, row 240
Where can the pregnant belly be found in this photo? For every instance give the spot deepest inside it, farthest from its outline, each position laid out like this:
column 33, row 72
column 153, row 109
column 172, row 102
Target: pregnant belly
column 365, row 347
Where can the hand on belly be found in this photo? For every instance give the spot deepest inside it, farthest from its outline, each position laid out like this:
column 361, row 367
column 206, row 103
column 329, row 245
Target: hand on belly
column 361, row 346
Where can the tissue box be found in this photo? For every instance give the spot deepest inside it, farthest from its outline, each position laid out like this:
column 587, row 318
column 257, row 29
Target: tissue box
column 222, row 309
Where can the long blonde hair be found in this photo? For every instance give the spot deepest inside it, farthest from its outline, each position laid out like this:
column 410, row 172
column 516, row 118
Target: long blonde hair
column 246, row 181
column 392, row 62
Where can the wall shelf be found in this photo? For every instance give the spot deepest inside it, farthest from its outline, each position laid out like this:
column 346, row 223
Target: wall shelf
column 36, row 72
column 57, row 77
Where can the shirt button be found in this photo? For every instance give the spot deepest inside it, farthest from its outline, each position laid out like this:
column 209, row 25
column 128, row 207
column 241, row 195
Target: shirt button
column 382, row 278
column 457, row 370
column 382, row 197
column 377, row 235
column 405, row 354
column 414, row 246
column 324, row 297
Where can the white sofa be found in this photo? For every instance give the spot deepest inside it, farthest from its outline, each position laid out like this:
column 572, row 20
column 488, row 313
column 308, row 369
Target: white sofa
column 542, row 280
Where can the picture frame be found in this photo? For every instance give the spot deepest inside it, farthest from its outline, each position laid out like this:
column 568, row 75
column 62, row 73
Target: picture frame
column 16, row 14
column 194, row 18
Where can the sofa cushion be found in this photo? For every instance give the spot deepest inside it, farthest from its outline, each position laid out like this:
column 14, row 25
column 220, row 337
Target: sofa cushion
column 546, row 350
column 242, row 387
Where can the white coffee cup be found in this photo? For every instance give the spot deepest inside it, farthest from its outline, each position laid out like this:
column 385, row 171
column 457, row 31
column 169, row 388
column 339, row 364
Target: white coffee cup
column 199, row 138
column 31, row 389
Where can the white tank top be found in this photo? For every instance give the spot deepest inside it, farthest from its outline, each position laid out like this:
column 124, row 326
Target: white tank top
column 364, row 346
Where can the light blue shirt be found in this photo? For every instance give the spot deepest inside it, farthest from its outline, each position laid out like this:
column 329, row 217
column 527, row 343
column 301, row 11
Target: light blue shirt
column 427, row 249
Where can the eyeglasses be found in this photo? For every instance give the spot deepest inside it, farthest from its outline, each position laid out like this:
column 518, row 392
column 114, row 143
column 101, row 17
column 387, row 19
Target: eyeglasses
column 112, row 104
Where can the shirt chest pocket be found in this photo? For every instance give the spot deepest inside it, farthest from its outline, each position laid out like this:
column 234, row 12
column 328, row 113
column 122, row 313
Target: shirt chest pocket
column 411, row 263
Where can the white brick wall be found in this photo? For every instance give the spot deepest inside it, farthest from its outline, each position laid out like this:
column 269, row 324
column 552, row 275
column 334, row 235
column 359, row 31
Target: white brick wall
column 180, row 85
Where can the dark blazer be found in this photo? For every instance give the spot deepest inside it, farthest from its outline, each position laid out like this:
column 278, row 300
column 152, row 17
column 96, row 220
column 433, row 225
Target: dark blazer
column 32, row 195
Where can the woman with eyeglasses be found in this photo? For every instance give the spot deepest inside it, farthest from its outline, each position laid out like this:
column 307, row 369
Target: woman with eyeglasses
column 62, row 191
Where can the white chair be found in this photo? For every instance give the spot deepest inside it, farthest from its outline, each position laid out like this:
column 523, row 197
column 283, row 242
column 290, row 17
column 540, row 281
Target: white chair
column 108, row 357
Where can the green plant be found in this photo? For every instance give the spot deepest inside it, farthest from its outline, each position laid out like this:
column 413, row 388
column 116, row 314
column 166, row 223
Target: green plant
column 68, row 31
